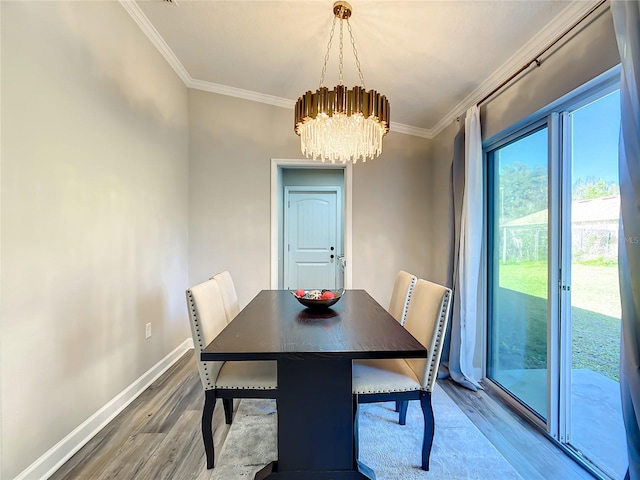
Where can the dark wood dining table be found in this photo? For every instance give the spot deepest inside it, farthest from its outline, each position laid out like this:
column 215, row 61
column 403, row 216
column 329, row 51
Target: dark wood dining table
column 314, row 350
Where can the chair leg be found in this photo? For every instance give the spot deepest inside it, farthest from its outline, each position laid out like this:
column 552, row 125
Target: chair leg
column 402, row 408
column 207, row 425
column 429, row 428
column 397, row 405
column 227, row 403
column 356, row 442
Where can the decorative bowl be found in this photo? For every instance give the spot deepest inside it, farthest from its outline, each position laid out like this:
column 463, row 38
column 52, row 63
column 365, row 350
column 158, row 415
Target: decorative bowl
column 310, row 299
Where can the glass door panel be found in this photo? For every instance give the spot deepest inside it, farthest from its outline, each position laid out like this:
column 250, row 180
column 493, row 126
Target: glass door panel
column 518, row 269
column 595, row 422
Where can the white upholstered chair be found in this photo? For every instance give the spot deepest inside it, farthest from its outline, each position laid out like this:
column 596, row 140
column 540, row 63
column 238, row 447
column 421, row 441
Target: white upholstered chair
column 402, row 380
column 226, row 380
column 229, row 295
column 401, row 294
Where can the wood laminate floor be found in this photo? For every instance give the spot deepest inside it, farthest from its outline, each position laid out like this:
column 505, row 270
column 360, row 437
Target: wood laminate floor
column 164, row 423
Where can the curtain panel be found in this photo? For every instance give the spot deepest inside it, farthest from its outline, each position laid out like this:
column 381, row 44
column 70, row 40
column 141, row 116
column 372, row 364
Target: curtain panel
column 467, row 188
column 626, row 19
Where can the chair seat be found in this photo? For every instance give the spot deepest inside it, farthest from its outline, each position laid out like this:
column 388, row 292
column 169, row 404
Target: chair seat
column 248, row 375
column 383, row 376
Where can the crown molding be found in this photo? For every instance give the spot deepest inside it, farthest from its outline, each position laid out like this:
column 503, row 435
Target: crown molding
column 548, row 34
column 240, row 93
column 411, row 130
column 289, row 104
column 156, row 39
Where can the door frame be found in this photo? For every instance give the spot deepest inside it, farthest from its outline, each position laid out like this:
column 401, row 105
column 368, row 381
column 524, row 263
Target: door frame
column 279, row 163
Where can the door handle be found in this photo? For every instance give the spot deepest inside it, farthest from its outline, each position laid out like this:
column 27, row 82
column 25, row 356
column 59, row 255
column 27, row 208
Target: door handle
column 332, row 249
column 331, row 256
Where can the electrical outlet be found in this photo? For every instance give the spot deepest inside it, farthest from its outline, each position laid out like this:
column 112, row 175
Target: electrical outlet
column 147, row 330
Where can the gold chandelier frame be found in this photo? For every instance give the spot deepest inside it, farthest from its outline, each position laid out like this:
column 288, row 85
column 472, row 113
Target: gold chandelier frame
column 360, row 111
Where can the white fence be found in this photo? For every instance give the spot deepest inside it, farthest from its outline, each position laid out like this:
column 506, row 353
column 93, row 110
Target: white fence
column 529, row 243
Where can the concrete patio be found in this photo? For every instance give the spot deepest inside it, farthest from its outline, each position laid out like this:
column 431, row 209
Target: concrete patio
column 597, row 430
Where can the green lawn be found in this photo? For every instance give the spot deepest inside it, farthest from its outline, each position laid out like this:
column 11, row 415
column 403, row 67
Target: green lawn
column 595, row 316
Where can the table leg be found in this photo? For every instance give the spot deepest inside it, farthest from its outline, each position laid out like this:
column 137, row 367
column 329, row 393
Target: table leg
column 315, row 422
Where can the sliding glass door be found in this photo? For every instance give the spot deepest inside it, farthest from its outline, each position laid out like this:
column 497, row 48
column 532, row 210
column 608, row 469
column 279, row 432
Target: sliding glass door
column 591, row 377
column 553, row 318
column 519, row 270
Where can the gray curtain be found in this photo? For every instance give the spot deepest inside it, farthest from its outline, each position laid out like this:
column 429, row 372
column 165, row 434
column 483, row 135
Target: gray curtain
column 456, row 363
column 626, row 19
column 448, row 360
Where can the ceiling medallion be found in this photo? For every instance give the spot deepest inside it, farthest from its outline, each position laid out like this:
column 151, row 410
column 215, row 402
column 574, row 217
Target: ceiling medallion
column 341, row 124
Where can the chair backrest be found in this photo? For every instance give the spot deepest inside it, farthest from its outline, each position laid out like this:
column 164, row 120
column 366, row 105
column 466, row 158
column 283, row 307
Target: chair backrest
column 427, row 319
column 229, row 295
column 208, row 319
column 401, row 294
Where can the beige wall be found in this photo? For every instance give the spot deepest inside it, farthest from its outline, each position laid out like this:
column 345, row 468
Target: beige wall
column 440, row 206
column 390, row 223
column 94, row 207
column 231, row 144
column 591, row 51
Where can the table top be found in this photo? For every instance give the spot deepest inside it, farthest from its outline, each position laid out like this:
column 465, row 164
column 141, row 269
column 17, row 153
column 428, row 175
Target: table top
column 274, row 325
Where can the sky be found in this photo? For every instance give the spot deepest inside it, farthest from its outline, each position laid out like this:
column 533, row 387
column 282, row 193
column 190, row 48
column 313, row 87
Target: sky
column 595, row 127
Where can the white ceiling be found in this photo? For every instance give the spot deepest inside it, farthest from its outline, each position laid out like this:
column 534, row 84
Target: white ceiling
column 432, row 59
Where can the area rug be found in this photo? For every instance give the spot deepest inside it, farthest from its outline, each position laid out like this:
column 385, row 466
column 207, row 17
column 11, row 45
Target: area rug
column 460, row 451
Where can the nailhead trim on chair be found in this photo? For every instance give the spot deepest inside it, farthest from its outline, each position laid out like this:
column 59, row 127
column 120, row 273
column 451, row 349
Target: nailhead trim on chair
column 433, row 368
column 196, row 324
column 211, row 386
column 393, row 390
column 414, row 279
column 244, row 387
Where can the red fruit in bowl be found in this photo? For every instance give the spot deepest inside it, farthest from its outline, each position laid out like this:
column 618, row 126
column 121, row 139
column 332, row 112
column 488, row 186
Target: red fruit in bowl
column 300, row 292
column 328, row 295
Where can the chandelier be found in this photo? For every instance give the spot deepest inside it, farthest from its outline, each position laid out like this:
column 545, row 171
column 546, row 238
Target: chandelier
column 341, row 124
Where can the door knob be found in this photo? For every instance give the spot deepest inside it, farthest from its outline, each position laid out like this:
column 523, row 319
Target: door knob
column 332, row 249
column 331, row 256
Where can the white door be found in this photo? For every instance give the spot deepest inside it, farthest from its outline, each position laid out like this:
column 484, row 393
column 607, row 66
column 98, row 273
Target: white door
column 311, row 235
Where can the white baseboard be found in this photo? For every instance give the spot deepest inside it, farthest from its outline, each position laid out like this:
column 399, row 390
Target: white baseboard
column 56, row 456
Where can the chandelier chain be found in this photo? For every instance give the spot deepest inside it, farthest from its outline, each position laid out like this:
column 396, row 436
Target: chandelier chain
column 340, row 76
column 326, row 57
column 355, row 53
